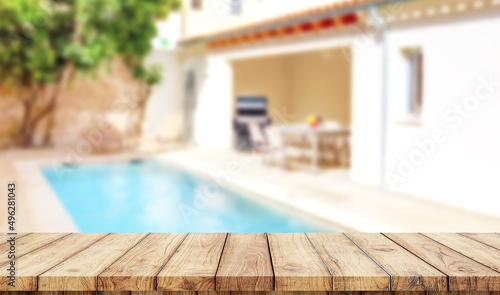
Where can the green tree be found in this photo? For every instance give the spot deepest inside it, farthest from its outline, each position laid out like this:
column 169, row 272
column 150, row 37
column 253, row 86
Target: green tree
column 46, row 43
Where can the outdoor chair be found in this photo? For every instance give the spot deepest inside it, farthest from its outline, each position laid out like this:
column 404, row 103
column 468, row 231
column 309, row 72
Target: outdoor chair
column 257, row 137
column 281, row 149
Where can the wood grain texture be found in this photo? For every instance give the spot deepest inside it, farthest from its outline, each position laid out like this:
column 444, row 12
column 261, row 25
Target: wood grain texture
column 31, row 265
column 437, row 293
column 79, row 293
column 137, row 270
column 4, row 237
column 480, row 252
column 474, row 293
column 17, row 293
column 415, row 292
column 29, row 243
column 386, row 293
column 206, row 293
column 408, row 273
column 148, row 293
column 244, row 293
column 463, row 273
column 79, row 272
column 351, row 269
column 194, row 265
column 245, row 264
column 250, row 292
column 114, row 293
column 297, row 265
column 247, row 293
column 455, row 293
column 491, row 239
column 45, row 293
column 184, row 292
column 306, row 293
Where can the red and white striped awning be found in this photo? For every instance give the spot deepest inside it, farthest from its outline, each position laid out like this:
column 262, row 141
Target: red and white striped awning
column 337, row 14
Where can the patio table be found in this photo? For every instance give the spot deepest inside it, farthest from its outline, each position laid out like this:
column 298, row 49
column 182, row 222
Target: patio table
column 252, row 262
column 313, row 135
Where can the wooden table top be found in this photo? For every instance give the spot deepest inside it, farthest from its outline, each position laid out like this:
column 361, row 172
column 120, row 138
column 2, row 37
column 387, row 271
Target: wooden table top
column 253, row 262
column 306, row 129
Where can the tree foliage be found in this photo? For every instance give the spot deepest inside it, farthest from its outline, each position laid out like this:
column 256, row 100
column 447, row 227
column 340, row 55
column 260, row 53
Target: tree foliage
column 44, row 42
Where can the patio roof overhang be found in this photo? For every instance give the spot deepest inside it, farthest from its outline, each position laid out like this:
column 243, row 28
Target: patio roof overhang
column 339, row 14
column 334, row 16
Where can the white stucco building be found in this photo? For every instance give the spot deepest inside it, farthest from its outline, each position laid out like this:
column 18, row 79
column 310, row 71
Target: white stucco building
column 416, row 82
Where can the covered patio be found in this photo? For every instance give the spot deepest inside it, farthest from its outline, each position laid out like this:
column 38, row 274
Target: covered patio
column 307, row 97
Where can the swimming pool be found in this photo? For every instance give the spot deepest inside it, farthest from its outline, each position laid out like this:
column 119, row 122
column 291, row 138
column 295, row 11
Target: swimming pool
column 153, row 197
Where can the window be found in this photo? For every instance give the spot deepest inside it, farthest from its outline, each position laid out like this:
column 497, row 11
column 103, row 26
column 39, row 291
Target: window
column 236, row 6
column 195, row 4
column 415, row 90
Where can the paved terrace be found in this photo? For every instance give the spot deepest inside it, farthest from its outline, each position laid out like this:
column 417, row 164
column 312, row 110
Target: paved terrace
column 254, row 262
column 332, row 196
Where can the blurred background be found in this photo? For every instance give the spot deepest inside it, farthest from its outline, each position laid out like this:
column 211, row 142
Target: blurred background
column 251, row 115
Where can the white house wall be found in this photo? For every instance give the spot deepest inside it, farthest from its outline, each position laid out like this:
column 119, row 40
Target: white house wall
column 366, row 112
column 466, row 166
column 214, row 106
column 165, row 98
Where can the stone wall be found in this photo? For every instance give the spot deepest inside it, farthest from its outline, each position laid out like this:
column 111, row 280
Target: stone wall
column 87, row 103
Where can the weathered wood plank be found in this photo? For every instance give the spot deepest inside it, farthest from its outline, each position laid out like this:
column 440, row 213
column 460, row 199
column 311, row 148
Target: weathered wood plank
column 68, row 293
column 4, row 237
column 194, row 265
column 185, row 292
column 474, row 293
column 78, row 293
column 31, row 265
column 148, row 293
column 478, row 251
column 436, row 293
column 113, row 293
column 79, row 272
column 205, row 293
column 247, row 293
column 239, row 293
column 28, row 244
column 463, row 273
column 351, row 269
column 384, row 293
column 137, row 270
column 306, row 293
column 453, row 293
column 492, row 239
column 15, row 293
column 41, row 293
column 253, row 293
column 297, row 265
column 414, row 292
column 408, row 273
column 245, row 264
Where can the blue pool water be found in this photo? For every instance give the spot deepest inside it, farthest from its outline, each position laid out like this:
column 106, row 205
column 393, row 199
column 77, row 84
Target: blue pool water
column 152, row 197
